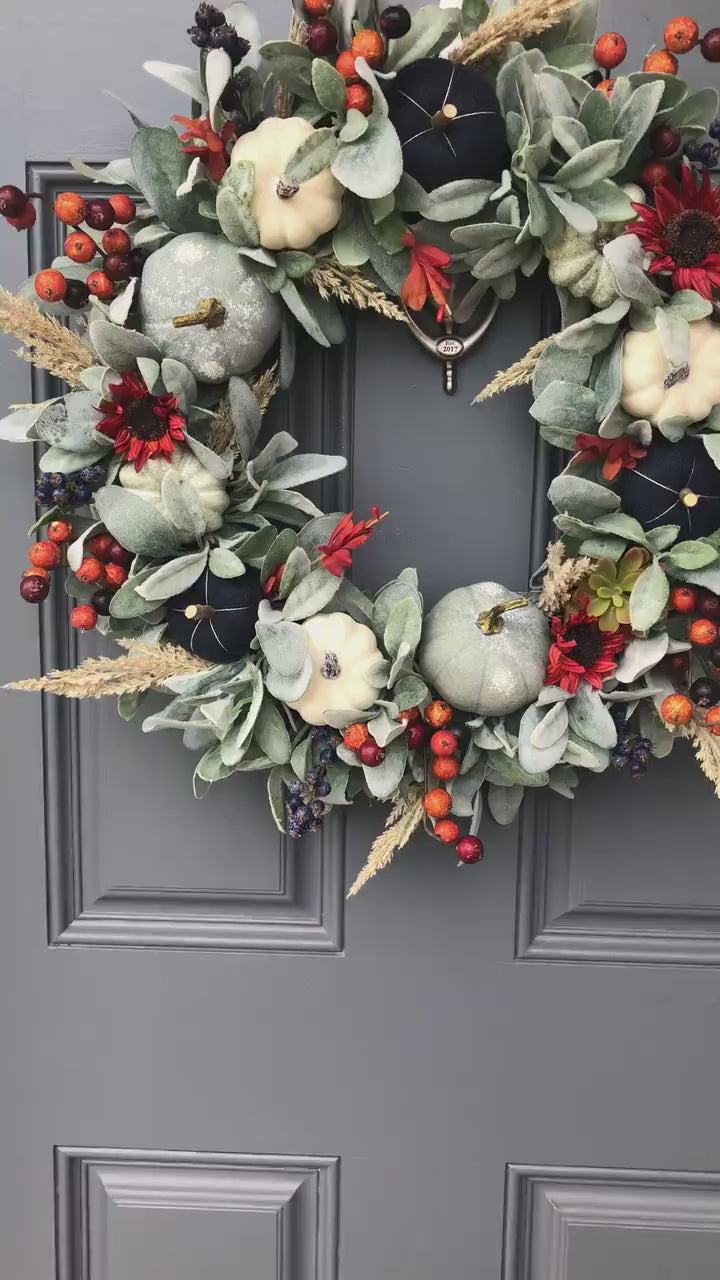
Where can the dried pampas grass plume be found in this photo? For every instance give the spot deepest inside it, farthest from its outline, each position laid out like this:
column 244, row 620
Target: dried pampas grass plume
column 562, row 576
column 402, row 822
column 707, row 750
column 45, row 342
column 518, row 375
column 147, row 666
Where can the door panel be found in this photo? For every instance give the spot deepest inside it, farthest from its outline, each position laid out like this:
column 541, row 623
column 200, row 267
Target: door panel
column 210, row 1061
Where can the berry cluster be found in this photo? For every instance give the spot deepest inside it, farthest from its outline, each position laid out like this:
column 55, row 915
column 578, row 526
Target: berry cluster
column 322, row 40
column 119, row 261
column 700, row 700
column 681, row 35
column 44, row 556
column 305, row 807
column 212, row 31
column 357, row 738
column 706, row 153
column 16, row 208
column 53, row 489
column 105, row 566
column 632, row 754
column 444, row 746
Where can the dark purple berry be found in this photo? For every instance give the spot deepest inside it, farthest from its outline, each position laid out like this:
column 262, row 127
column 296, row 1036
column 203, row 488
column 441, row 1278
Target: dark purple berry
column 116, row 266
column 321, row 37
column 303, row 814
column 395, row 21
column 327, row 755
column 705, row 693
column 136, row 260
column 100, row 600
column 77, row 294
column 34, row 588
column 83, row 494
column 317, row 808
column 99, row 214
column 13, row 201
column 714, row 130
column 323, row 788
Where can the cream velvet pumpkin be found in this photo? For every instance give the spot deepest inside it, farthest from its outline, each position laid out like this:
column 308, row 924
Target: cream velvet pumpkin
column 287, row 219
column 190, row 474
column 345, row 657
column 650, row 389
column 490, row 672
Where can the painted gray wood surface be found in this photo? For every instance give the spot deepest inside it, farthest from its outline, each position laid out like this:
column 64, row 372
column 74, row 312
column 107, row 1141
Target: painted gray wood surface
column 210, row 1064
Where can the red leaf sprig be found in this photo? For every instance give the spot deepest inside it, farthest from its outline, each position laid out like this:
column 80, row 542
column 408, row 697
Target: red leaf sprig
column 337, row 553
column 425, row 276
column 212, row 147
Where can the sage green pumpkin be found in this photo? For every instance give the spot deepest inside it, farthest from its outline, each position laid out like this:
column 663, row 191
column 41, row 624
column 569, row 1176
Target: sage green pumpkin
column 577, row 263
column 487, row 674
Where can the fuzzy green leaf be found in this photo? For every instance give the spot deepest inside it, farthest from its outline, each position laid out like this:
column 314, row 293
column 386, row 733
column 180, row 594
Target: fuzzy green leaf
column 649, row 597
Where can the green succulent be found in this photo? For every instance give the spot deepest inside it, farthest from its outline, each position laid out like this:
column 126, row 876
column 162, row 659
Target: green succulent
column 610, row 587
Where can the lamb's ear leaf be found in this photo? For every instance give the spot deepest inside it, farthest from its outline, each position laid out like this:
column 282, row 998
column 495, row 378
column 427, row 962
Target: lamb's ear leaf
column 649, row 597
column 160, row 167
column 136, row 524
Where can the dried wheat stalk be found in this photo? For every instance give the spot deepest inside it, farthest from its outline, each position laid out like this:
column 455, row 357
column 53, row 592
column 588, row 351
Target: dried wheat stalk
column 402, row 822
column 562, row 576
column 146, row 667
column 518, row 375
column 528, row 18
column 707, row 749
column 222, row 431
column 348, row 285
column 45, row 342
column 284, row 98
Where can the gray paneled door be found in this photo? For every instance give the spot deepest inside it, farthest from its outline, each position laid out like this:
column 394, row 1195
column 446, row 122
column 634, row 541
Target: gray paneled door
column 210, row 1064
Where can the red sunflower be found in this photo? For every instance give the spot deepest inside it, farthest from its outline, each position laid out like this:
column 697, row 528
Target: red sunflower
column 581, row 651
column 682, row 232
column 142, row 425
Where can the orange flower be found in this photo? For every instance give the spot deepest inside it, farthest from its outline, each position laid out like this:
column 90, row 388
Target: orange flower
column 620, row 453
column 425, row 275
column 212, row 146
column 346, row 537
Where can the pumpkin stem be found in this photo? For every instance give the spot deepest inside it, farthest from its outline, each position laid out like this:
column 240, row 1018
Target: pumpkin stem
column 676, row 376
column 285, row 189
column 491, row 622
column 444, row 116
column 210, row 312
column 199, row 612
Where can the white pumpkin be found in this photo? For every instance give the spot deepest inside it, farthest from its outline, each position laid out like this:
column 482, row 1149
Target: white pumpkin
column 190, row 474
column 485, row 650
column 577, row 263
column 287, row 217
column 345, row 661
column 651, row 390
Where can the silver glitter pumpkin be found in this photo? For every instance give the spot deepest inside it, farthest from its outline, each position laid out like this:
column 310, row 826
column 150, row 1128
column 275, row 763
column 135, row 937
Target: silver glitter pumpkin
column 484, row 650
column 187, row 272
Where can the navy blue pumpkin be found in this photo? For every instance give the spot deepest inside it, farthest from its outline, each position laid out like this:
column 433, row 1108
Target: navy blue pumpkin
column 449, row 123
column 215, row 618
column 675, row 484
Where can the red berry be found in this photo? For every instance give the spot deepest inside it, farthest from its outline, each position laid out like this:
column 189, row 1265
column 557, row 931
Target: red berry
column 119, row 554
column 661, row 60
column 91, row 570
column 371, row 754
column 676, row 709
column 413, row 713
column 439, row 714
column 710, row 45
column 59, row 531
column 416, row 735
column 665, row 141
column 682, row 34
column 317, row 8
column 712, row 717
column 607, row 87
column 610, row 50
column 99, row 214
column 100, row 544
column 13, row 201
column 116, row 240
column 346, row 65
column 655, row 173
column 34, row 588
column 683, row 599
column 321, row 37
column 445, row 768
column 359, row 98
column 83, row 617
column 26, row 219
column 115, row 574
column 443, row 743
column 116, row 266
column 80, row 246
column 709, row 605
column 50, row 285
column 447, row 830
column 45, row 555
column 703, row 632
column 369, row 44
column 438, row 803
column 100, row 285
column 70, row 208
column 36, row 572
column 123, row 208
column 469, row 849
column 677, row 663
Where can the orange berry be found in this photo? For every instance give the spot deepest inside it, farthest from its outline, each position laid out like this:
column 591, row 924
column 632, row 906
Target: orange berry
column 80, row 246
column 677, row 709
column 91, row 570
column 345, row 65
column 123, row 208
column 70, row 208
column 116, row 241
column 355, row 735
column 445, row 768
column 443, row 743
column 681, row 35
column 655, row 173
column 115, row 574
column 683, row 599
column 662, row 60
column 50, row 285
column 100, row 285
column 36, row 572
column 83, row 617
column 438, row 803
column 317, row 8
column 359, row 98
column 439, row 714
column 447, row 831
column 413, row 713
column 712, row 721
column 703, row 632
column 369, row 45
column 59, row 531
column 45, row 555
column 607, row 87
column 610, row 50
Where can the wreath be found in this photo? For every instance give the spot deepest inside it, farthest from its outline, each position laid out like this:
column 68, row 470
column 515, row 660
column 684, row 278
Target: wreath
column 411, row 165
